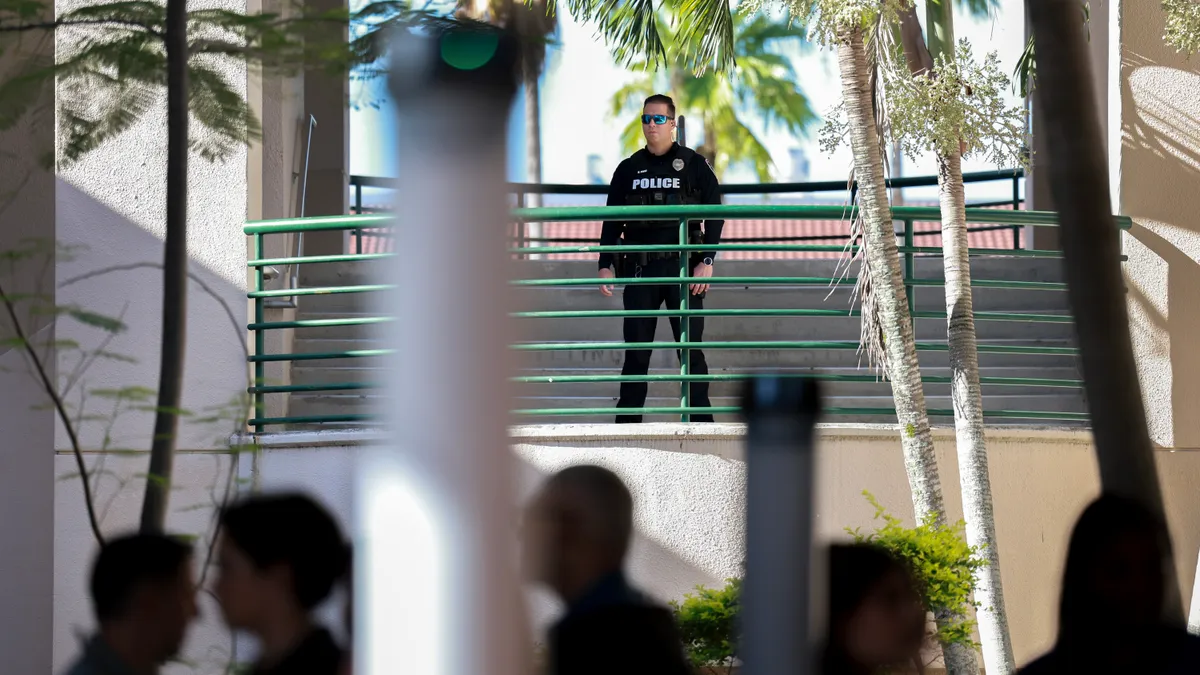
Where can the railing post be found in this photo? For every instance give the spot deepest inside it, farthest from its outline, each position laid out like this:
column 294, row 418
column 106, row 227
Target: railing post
column 522, row 233
column 909, row 268
column 1016, row 230
column 685, row 324
column 358, row 209
column 259, row 339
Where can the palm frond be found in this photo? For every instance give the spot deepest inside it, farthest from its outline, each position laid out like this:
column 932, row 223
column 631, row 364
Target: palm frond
column 705, row 36
column 630, row 96
column 1026, row 69
column 757, row 33
column 221, row 111
column 631, row 137
column 771, row 87
column 21, row 91
column 94, row 113
column 629, row 27
column 747, row 147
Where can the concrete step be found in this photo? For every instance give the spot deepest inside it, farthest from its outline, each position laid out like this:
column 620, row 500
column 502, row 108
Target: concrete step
column 351, row 404
column 990, row 267
column 931, row 299
column 718, row 359
column 837, row 297
column 718, row 328
column 308, row 374
column 733, row 387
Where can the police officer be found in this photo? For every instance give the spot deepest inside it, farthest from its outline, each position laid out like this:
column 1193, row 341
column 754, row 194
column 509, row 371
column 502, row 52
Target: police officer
column 663, row 172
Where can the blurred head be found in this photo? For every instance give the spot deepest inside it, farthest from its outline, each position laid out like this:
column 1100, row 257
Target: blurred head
column 281, row 552
column 1114, row 579
column 144, row 581
column 577, row 529
column 876, row 618
column 658, row 120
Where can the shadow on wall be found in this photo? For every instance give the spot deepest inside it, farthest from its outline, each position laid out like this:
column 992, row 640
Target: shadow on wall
column 688, row 517
column 1159, row 170
column 114, row 270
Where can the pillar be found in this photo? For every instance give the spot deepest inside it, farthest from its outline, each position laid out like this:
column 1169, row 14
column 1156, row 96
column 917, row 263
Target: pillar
column 327, row 98
column 27, row 481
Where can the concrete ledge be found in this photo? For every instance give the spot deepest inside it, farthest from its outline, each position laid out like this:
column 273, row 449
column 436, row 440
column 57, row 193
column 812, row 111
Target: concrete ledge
column 659, row 431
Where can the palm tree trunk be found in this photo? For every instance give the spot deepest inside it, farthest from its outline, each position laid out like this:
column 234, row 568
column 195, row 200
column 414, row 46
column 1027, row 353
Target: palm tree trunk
column 175, row 267
column 968, row 419
column 533, row 141
column 920, row 463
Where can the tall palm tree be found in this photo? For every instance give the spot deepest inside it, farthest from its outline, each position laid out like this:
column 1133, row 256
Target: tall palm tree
column 763, row 80
column 1004, row 132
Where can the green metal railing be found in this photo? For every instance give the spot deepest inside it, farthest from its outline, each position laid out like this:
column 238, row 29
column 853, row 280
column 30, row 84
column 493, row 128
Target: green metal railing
column 681, row 214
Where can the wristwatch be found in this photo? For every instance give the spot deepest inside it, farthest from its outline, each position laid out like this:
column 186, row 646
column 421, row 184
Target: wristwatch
column 707, row 261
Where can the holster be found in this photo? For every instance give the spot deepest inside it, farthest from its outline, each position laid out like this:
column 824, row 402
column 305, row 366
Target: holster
column 695, row 237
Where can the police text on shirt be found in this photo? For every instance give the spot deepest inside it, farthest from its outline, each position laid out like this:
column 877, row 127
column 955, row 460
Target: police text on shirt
column 655, row 183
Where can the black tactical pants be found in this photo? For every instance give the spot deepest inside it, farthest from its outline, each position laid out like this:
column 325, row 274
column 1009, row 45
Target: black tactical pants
column 641, row 329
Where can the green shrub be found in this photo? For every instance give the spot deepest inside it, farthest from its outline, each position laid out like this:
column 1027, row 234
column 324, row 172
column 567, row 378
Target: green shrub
column 942, row 564
column 707, row 623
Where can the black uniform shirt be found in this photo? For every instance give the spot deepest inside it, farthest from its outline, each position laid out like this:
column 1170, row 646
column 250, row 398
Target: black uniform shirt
column 699, row 175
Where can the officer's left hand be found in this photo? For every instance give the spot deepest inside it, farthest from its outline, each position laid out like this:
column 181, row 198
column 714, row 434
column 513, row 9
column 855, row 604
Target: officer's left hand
column 704, row 271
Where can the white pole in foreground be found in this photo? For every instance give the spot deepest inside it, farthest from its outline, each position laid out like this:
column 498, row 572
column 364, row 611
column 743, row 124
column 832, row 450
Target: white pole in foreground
column 436, row 585
column 780, row 615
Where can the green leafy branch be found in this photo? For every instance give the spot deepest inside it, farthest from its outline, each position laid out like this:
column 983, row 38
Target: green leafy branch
column 111, row 65
column 962, row 101
column 1182, row 29
column 707, row 621
column 942, row 564
column 830, row 21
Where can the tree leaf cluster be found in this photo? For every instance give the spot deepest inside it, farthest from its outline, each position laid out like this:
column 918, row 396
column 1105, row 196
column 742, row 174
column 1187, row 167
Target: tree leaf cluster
column 961, row 101
column 111, row 63
column 942, row 563
column 766, row 82
column 1182, row 30
column 707, row 621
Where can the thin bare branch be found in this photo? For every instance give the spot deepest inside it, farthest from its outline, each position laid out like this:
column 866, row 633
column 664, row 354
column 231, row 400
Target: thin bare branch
column 191, row 275
column 60, row 406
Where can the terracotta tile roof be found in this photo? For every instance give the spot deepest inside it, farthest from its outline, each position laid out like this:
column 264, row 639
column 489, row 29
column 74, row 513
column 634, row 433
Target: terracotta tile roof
column 822, row 232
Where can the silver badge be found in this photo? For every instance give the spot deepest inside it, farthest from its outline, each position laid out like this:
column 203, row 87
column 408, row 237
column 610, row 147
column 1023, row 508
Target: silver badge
column 677, row 165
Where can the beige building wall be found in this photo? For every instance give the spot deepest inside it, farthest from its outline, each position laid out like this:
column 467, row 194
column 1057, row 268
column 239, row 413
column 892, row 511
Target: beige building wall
column 1154, row 150
column 689, row 484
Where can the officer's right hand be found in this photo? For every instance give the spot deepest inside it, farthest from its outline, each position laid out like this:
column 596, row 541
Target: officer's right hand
column 607, row 289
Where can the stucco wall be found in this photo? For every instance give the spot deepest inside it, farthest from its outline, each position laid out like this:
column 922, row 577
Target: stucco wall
column 111, row 209
column 689, row 487
column 1154, row 150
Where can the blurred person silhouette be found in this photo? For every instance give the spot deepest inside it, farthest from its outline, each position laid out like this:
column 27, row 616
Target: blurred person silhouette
column 279, row 557
column 348, row 621
column 144, row 597
column 876, row 618
column 1110, row 617
column 577, row 531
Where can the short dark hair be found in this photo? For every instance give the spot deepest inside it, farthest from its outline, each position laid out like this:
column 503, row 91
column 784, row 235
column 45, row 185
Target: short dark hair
column 607, row 500
column 854, row 571
column 126, row 563
column 290, row 529
column 661, row 98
